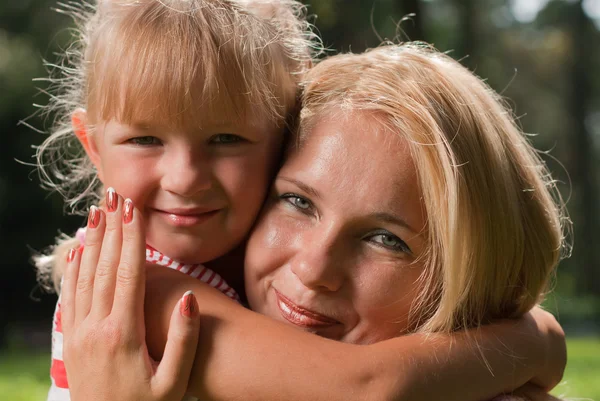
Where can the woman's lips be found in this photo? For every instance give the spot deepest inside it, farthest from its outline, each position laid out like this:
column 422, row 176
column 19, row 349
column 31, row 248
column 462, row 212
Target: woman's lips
column 300, row 316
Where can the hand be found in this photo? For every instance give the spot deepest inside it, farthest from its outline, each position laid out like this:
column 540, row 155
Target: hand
column 527, row 392
column 554, row 359
column 531, row 392
column 105, row 351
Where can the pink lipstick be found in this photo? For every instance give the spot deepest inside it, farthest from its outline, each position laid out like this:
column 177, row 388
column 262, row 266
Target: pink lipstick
column 300, row 316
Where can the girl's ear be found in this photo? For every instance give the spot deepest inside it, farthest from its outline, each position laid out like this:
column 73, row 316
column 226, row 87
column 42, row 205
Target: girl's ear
column 81, row 130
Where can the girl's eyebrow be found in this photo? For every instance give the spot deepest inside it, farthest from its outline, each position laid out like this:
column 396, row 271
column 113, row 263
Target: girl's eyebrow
column 142, row 125
column 306, row 188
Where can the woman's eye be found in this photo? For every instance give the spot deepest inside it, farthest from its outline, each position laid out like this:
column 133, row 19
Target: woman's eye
column 226, row 139
column 145, row 140
column 390, row 241
column 297, row 201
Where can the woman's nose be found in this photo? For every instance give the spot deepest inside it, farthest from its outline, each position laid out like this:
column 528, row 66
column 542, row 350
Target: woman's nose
column 319, row 265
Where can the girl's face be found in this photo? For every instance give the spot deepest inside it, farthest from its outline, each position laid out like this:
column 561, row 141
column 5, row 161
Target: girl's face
column 199, row 191
column 336, row 249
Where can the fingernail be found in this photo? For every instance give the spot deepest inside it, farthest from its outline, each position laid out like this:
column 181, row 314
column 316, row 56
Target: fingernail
column 93, row 217
column 128, row 211
column 71, row 255
column 111, row 199
column 188, row 305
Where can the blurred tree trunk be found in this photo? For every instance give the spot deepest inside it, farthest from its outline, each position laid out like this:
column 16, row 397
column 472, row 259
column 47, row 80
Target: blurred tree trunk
column 414, row 29
column 589, row 259
column 465, row 48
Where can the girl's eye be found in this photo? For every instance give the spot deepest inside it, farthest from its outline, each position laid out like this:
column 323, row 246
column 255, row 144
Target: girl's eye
column 390, row 241
column 297, row 201
column 145, row 140
column 226, row 139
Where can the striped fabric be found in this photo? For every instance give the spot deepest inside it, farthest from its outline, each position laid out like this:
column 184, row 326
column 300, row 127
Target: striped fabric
column 59, row 390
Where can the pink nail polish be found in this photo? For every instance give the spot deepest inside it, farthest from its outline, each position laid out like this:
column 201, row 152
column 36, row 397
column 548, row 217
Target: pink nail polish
column 187, row 305
column 128, row 211
column 71, row 255
column 93, row 217
column 111, row 199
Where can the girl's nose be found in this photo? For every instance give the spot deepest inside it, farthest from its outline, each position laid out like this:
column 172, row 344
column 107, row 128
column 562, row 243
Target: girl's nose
column 187, row 174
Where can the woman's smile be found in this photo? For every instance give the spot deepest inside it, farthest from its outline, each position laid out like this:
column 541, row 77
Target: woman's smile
column 301, row 316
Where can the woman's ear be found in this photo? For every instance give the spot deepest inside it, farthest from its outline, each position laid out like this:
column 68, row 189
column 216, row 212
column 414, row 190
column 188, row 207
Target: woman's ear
column 81, row 130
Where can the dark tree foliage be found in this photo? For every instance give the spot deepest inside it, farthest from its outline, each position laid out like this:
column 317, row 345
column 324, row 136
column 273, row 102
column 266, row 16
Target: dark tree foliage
column 584, row 173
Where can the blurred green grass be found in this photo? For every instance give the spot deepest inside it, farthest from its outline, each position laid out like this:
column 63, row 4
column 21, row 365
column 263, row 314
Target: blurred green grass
column 582, row 377
column 24, row 375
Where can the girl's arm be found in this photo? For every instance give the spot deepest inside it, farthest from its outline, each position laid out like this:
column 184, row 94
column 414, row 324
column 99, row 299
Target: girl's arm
column 244, row 355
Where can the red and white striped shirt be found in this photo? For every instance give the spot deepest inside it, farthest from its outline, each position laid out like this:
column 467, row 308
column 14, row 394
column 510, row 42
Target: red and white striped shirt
column 59, row 389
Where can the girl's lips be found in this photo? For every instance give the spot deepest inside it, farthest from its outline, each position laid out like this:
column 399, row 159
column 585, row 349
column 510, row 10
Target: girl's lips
column 300, row 316
column 185, row 218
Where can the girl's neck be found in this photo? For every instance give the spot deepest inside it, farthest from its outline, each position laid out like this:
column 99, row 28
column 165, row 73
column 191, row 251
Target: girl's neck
column 231, row 268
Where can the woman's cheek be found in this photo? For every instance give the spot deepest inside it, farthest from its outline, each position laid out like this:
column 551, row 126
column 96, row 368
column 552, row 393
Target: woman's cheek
column 277, row 235
column 278, row 227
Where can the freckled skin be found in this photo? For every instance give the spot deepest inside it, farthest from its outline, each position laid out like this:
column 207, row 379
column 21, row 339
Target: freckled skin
column 319, row 241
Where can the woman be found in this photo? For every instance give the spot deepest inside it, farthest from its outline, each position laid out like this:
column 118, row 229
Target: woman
column 410, row 203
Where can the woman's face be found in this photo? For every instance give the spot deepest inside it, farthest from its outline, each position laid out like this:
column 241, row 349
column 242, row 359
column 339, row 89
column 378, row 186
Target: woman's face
column 335, row 250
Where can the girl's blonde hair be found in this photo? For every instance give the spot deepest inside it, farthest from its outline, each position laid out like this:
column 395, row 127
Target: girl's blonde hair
column 494, row 218
column 171, row 62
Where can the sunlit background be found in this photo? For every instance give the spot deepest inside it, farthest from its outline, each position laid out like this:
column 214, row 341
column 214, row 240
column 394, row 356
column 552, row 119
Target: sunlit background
column 542, row 55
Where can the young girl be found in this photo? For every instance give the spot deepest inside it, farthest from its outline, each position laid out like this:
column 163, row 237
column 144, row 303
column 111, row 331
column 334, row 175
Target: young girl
column 382, row 222
column 181, row 106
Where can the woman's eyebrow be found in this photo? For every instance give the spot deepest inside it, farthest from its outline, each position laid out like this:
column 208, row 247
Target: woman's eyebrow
column 393, row 219
column 304, row 187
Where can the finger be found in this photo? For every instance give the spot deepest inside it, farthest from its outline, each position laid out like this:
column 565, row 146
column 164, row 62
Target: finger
column 131, row 276
column 89, row 260
column 173, row 372
column 108, row 261
column 532, row 392
column 68, row 289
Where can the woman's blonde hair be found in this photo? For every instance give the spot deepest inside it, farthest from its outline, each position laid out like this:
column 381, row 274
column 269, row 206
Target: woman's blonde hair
column 494, row 218
column 173, row 62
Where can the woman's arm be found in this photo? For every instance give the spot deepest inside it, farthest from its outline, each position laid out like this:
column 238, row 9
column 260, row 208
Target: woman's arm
column 243, row 355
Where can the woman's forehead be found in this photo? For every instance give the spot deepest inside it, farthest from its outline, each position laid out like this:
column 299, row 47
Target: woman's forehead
column 360, row 160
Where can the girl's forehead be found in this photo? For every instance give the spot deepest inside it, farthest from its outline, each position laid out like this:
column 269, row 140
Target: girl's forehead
column 221, row 112
column 175, row 93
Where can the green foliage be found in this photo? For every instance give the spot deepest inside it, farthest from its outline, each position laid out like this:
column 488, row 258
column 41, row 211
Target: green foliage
column 575, row 310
